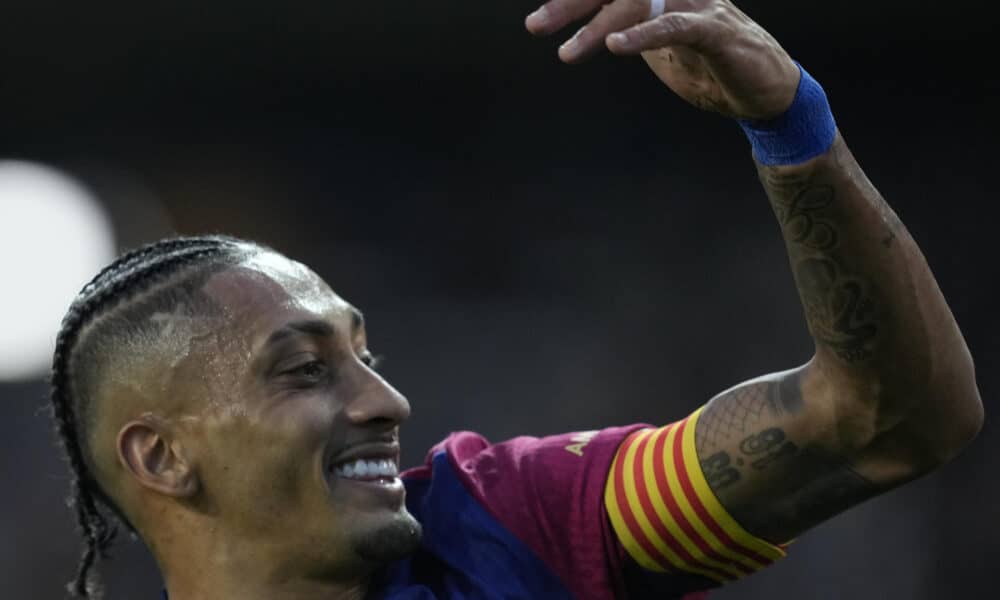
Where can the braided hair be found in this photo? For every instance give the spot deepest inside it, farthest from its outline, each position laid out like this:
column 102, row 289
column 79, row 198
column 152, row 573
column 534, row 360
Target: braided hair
column 162, row 274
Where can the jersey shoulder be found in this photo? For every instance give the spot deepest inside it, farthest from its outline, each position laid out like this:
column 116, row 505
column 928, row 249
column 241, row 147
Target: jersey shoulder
column 465, row 551
column 529, row 505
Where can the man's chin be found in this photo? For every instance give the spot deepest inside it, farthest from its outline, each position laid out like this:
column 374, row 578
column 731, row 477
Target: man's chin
column 394, row 539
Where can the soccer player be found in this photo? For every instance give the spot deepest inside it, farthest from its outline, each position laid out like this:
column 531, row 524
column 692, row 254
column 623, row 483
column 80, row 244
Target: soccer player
column 221, row 400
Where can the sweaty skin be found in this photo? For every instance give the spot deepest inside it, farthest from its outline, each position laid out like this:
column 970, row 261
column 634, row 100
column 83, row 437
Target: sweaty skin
column 253, row 416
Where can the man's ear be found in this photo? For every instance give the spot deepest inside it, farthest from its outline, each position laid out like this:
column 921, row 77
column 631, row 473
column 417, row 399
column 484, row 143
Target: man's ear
column 154, row 460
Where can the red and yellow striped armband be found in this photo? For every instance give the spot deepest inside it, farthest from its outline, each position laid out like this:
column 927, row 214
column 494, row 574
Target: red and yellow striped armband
column 667, row 517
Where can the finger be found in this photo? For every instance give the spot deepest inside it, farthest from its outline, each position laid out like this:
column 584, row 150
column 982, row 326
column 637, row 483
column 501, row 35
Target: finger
column 671, row 29
column 556, row 14
column 616, row 16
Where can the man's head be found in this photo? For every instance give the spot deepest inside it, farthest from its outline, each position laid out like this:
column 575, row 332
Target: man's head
column 214, row 394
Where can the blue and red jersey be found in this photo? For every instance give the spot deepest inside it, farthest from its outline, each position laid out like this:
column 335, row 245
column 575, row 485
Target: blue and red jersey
column 525, row 518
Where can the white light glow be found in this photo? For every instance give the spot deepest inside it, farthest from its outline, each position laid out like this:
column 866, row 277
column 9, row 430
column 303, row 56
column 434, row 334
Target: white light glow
column 54, row 237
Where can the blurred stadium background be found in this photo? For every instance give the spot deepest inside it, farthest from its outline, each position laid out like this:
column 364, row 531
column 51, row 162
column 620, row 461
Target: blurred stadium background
column 538, row 248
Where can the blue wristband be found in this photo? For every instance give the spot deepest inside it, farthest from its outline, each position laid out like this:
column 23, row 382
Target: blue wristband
column 804, row 131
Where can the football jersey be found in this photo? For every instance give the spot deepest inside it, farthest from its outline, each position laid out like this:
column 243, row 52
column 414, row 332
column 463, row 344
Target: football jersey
column 524, row 518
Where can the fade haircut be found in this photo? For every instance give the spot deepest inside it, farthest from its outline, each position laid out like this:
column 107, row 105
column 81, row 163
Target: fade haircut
column 111, row 313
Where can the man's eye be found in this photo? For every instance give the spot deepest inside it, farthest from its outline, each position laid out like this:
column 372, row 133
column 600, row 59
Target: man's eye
column 314, row 370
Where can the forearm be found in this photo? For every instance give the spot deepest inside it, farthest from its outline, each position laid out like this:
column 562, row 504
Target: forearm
column 886, row 341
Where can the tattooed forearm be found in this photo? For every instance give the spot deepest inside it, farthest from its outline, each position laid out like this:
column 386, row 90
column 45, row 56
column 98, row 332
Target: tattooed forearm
column 799, row 210
column 838, row 309
column 838, row 300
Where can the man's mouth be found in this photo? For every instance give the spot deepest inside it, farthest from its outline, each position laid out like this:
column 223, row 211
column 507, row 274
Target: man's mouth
column 367, row 469
column 370, row 469
column 374, row 462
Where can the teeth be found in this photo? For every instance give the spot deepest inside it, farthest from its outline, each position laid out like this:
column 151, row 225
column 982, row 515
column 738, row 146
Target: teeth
column 365, row 468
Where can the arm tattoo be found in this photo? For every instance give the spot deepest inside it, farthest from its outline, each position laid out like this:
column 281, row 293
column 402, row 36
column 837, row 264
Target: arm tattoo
column 837, row 308
column 772, row 486
column 800, row 217
column 772, row 460
column 719, row 472
column 744, row 407
column 766, row 447
column 836, row 488
column 839, row 301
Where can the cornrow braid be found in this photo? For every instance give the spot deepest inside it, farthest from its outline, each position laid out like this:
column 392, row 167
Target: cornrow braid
column 134, row 272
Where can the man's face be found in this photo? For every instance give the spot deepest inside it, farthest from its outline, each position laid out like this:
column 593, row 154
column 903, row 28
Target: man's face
column 296, row 441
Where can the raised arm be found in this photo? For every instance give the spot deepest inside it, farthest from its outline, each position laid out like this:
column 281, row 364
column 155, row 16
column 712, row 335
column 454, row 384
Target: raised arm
column 890, row 392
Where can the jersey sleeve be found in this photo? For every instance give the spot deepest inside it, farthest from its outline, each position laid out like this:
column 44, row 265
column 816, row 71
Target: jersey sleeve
column 666, row 515
column 548, row 492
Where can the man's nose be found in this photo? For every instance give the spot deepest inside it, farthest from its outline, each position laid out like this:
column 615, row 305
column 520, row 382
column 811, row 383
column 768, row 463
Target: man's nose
column 374, row 400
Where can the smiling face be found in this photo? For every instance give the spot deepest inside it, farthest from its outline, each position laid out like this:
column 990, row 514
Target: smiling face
column 294, row 438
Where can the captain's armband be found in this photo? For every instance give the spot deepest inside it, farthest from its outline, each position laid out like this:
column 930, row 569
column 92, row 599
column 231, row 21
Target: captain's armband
column 666, row 515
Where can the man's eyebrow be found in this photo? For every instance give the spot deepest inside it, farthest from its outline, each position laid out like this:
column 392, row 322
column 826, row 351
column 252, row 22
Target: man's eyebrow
column 313, row 327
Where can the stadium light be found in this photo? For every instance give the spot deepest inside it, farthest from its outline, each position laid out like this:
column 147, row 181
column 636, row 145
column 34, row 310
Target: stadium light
column 54, row 236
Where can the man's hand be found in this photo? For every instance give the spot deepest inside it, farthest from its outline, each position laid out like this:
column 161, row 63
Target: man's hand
column 706, row 51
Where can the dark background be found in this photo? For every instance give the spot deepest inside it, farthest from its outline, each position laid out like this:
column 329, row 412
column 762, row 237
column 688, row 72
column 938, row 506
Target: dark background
column 538, row 248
